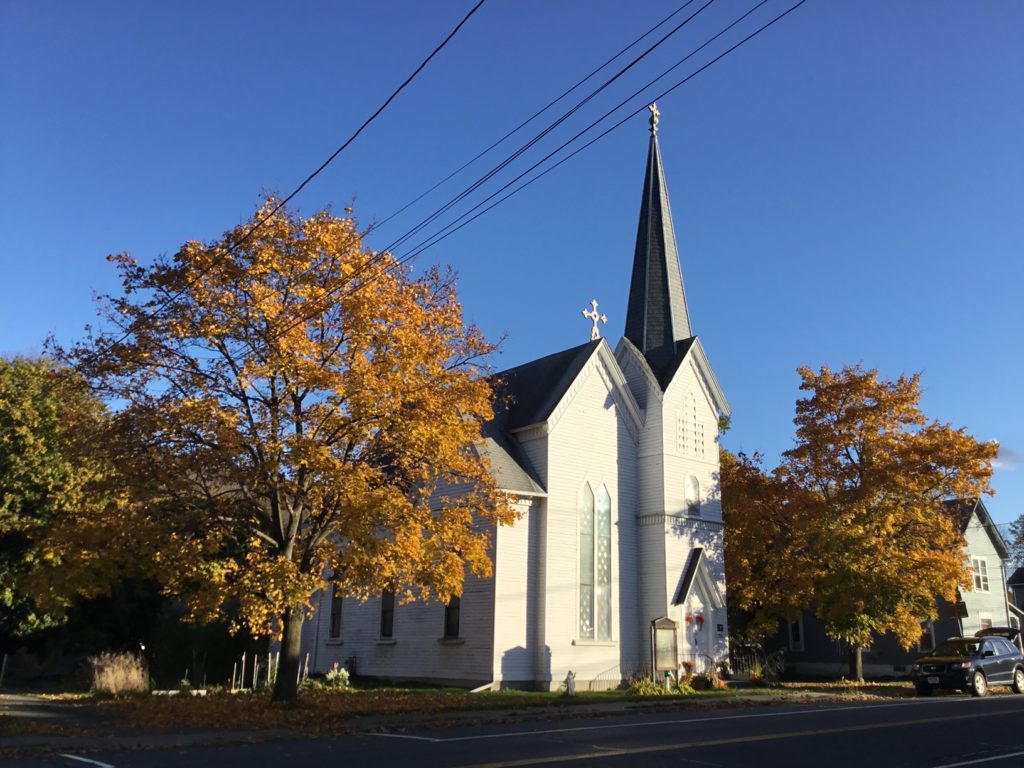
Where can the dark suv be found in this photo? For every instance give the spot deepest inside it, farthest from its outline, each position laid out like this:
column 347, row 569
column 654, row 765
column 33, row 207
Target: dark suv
column 970, row 664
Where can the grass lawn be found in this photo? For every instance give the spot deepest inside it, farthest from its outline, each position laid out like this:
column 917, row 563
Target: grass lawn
column 323, row 712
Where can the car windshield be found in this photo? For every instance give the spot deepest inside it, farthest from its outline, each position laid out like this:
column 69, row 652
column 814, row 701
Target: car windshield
column 962, row 648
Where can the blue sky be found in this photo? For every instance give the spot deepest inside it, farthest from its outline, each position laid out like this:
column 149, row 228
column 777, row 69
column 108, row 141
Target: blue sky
column 848, row 187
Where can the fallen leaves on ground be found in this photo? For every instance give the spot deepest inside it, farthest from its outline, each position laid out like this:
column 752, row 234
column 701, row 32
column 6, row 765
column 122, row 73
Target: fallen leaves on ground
column 315, row 713
column 896, row 689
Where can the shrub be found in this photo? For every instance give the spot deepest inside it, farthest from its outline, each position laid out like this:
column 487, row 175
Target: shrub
column 118, row 674
column 336, row 677
column 642, row 685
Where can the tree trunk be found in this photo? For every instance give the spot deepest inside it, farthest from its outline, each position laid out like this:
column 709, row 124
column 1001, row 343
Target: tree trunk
column 856, row 664
column 286, row 686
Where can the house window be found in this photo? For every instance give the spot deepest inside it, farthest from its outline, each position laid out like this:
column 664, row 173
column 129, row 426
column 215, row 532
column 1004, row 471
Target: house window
column 796, row 634
column 980, row 566
column 387, row 613
column 986, row 620
column 692, row 496
column 595, row 556
column 336, row 599
column 451, row 618
column 927, row 640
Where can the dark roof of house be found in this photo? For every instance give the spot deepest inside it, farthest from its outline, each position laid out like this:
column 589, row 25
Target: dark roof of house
column 656, row 317
column 961, row 510
column 1016, row 578
column 528, row 393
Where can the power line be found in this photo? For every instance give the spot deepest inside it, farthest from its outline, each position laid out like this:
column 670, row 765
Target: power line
column 504, row 163
column 431, row 242
column 438, row 237
column 525, row 122
column 260, row 222
column 370, row 263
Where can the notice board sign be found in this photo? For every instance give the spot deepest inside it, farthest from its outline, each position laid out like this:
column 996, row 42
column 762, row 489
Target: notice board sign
column 663, row 645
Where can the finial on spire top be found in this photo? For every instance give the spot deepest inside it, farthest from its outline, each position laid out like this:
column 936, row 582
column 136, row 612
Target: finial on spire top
column 653, row 106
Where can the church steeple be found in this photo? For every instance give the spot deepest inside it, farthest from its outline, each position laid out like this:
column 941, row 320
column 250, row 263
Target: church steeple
column 656, row 318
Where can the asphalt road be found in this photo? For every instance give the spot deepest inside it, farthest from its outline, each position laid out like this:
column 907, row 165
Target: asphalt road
column 945, row 732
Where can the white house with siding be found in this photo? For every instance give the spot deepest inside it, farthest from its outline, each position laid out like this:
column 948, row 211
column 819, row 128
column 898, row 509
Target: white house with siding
column 612, row 458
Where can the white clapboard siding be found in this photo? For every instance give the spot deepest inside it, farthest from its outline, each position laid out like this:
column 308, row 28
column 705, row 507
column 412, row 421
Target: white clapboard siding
column 417, row 649
column 592, row 441
column 519, row 598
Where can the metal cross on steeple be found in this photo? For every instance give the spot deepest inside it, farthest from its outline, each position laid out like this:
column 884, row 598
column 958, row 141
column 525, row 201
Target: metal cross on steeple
column 654, row 117
column 594, row 317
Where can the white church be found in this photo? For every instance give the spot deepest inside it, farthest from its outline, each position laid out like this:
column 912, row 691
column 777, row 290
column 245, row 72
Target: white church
column 611, row 456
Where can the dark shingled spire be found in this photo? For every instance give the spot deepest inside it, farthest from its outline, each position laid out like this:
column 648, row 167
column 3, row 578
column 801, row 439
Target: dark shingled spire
column 656, row 318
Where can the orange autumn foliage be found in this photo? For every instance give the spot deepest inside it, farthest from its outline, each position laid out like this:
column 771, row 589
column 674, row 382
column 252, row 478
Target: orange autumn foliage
column 292, row 406
column 852, row 523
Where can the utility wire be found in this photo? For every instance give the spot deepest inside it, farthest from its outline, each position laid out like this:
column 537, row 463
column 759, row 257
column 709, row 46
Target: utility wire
column 579, row 105
column 380, row 255
column 370, row 263
column 439, row 237
column 260, row 222
column 527, row 121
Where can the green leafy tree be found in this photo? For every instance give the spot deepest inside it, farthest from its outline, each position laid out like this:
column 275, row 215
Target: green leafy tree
column 1016, row 542
column 852, row 519
column 51, row 470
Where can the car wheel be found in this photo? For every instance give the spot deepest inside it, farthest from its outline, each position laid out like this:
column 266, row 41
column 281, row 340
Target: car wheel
column 1018, row 680
column 924, row 690
column 979, row 685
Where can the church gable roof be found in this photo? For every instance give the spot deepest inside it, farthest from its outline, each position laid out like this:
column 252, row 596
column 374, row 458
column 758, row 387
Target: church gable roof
column 666, row 373
column 697, row 572
column 663, row 377
column 528, row 393
column 511, row 469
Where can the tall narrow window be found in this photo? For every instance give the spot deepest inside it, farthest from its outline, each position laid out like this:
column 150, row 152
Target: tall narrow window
column 595, row 516
column 796, row 634
column 586, row 505
column 451, row 618
column 336, row 600
column 927, row 641
column 980, row 566
column 387, row 613
column 603, row 589
column 692, row 496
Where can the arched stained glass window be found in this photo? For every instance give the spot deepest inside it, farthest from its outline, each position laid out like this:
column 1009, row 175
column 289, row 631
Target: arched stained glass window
column 595, row 520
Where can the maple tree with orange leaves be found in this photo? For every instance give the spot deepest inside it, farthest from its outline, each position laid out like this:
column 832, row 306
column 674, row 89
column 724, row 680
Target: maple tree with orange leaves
column 294, row 409
column 852, row 522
